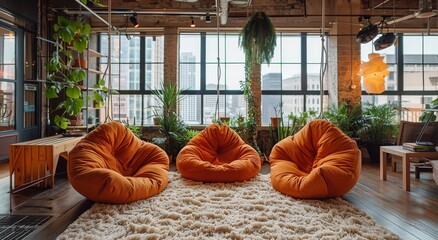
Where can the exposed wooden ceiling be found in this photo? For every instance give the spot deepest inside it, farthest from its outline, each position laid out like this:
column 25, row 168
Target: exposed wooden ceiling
column 283, row 13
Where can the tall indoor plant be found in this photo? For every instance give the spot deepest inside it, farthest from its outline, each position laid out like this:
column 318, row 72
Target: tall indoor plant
column 258, row 40
column 378, row 127
column 65, row 80
column 165, row 112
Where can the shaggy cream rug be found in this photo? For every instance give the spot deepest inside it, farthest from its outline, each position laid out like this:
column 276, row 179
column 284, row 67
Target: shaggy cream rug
column 249, row 210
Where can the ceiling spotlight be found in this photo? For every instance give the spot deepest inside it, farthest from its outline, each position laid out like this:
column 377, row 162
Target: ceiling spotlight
column 133, row 20
column 207, row 18
column 386, row 40
column 367, row 33
column 192, row 24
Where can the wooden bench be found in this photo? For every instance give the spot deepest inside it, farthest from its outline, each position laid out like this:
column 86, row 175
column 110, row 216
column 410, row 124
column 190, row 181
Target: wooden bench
column 34, row 162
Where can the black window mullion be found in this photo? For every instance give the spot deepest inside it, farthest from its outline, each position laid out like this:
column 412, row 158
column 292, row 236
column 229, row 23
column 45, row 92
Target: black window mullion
column 203, row 72
column 304, row 68
column 400, row 65
column 142, row 75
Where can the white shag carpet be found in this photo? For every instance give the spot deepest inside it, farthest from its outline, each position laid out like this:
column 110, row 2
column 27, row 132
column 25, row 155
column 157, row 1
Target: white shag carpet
column 248, row 210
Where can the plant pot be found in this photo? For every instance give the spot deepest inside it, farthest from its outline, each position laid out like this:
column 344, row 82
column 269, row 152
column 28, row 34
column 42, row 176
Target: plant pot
column 80, row 63
column 225, row 120
column 373, row 151
column 275, row 121
column 76, row 120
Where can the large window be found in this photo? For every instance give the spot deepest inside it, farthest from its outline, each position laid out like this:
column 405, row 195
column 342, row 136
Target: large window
column 7, row 79
column 413, row 66
column 136, row 67
column 292, row 77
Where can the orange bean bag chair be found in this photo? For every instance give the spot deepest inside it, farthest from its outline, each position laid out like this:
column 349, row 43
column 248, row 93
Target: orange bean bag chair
column 319, row 161
column 218, row 154
column 111, row 165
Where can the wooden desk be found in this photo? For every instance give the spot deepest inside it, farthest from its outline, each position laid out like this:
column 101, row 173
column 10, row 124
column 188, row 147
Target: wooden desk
column 406, row 155
column 34, row 162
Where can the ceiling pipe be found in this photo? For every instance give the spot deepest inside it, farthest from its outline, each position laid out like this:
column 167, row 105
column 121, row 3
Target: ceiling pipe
column 224, row 11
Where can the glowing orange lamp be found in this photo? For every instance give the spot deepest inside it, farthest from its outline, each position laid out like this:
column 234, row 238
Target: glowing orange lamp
column 374, row 72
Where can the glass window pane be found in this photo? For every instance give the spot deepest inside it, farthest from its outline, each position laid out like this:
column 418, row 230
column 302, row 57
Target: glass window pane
column 271, row 76
column 189, row 45
column 291, row 76
column 412, row 49
column 313, row 102
column 431, row 47
column 210, row 108
column 378, row 99
column 314, row 49
column 236, row 106
column 211, row 77
column 189, row 76
column 234, row 74
column 190, row 109
column 291, row 48
column 7, row 106
column 127, row 108
column 212, row 50
column 234, row 52
column 148, row 109
column 7, row 54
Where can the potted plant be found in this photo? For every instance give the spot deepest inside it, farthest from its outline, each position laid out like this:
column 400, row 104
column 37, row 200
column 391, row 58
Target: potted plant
column 65, row 81
column 91, row 120
column 378, row 127
column 165, row 112
column 346, row 117
column 258, row 40
column 276, row 121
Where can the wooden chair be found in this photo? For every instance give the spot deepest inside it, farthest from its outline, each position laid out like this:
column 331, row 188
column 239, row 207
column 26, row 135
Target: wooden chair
column 409, row 132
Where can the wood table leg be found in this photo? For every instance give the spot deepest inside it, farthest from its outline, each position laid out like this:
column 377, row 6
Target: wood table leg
column 383, row 163
column 406, row 174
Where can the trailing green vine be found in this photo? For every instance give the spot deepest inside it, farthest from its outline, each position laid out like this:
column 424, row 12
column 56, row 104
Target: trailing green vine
column 258, row 41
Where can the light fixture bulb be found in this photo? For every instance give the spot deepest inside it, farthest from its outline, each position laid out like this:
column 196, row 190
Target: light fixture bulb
column 193, row 24
column 133, row 20
column 207, row 18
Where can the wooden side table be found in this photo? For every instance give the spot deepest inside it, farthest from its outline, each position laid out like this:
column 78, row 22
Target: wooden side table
column 406, row 155
column 34, row 162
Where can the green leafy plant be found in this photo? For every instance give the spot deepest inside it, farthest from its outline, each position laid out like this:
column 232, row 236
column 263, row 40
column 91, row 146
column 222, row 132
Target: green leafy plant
column 135, row 130
column 346, row 117
column 428, row 115
column 378, row 126
column 71, row 37
column 296, row 122
column 379, row 122
column 171, row 126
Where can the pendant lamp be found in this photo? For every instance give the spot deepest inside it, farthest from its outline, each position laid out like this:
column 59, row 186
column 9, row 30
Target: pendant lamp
column 374, row 72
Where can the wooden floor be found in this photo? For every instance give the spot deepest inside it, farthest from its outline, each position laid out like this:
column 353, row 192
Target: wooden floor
column 411, row 215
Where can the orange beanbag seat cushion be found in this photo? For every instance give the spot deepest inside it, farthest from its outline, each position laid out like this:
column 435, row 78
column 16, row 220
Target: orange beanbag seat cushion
column 218, row 154
column 319, row 161
column 111, row 165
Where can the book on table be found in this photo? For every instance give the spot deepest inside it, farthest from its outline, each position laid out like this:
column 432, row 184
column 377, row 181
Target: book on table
column 418, row 148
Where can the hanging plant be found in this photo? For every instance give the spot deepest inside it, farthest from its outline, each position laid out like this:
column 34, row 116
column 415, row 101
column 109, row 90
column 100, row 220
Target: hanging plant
column 258, row 41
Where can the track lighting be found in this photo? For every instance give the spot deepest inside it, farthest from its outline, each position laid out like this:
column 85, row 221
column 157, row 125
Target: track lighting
column 133, row 20
column 207, row 18
column 368, row 32
column 193, row 24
